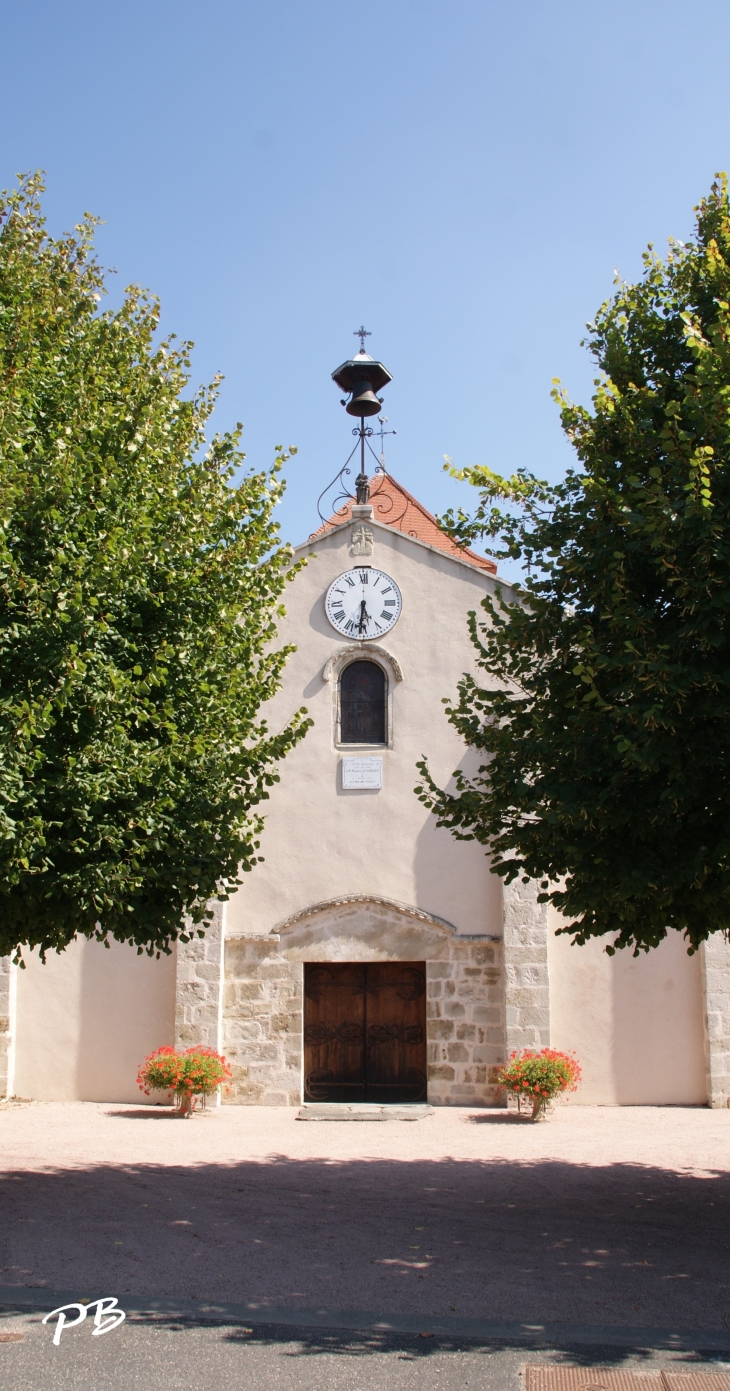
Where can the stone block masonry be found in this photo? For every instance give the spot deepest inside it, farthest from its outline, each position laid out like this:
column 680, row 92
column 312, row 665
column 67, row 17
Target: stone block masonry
column 8, row 987
column 198, row 995
column 526, row 985
column 262, row 1023
column 465, row 1024
column 715, row 956
column 485, row 997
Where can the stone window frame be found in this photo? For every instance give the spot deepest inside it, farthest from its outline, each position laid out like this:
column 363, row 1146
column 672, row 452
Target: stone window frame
column 393, row 675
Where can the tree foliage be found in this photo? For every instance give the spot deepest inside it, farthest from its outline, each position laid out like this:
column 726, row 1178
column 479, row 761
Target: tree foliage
column 139, row 592
column 603, row 714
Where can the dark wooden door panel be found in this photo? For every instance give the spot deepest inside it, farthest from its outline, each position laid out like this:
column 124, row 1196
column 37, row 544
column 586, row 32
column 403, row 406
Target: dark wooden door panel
column 395, row 1022
column 365, row 1032
column 334, row 1032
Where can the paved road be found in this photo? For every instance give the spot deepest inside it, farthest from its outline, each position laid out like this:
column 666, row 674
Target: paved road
column 170, row 1355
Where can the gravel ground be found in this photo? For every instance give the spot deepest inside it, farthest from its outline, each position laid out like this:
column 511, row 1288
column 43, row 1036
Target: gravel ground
column 599, row 1215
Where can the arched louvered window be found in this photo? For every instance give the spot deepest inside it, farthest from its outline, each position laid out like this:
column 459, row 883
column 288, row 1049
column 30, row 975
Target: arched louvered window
column 363, row 695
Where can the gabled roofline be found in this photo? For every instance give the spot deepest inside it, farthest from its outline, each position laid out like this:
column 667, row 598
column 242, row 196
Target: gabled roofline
column 414, row 540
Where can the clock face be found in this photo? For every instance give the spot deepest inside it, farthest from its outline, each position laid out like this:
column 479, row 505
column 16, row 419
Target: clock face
column 363, row 603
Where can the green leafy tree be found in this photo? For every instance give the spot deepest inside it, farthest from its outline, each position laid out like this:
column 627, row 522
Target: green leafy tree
column 139, row 592
column 603, row 715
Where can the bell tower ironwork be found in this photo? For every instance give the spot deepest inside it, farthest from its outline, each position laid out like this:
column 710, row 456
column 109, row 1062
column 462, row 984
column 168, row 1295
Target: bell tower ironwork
column 361, row 377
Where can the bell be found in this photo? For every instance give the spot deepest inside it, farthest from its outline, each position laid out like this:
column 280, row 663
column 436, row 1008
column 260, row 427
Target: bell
column 363, row 400
column 361, row 378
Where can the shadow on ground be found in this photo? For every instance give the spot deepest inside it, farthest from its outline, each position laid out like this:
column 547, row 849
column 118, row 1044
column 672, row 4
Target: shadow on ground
column 499, row 1118
column 546, row 1240
column 147, row 1113
column 313, row 1343
column 293, row 1342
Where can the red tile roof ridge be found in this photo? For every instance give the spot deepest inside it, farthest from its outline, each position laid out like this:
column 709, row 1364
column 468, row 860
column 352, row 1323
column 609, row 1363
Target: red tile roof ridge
column 427, row 528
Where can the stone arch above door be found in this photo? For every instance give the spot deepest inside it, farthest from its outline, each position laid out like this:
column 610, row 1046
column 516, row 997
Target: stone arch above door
column 358, row 927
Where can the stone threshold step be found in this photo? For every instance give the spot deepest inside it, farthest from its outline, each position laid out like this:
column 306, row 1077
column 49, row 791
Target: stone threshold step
column 361, row 1111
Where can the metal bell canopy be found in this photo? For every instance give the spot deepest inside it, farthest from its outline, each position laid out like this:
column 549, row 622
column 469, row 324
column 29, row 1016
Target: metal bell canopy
column 362, row 378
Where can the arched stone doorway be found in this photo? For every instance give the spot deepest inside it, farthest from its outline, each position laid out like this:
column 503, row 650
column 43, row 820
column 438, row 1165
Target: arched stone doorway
column 264, row 1004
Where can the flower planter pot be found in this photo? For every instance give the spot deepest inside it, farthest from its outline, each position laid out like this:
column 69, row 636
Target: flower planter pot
column 191, row 1076
column 534, row 1108
column 536, row 1079
column 541, row 1109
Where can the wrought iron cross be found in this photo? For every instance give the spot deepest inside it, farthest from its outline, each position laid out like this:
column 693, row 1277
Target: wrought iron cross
column 382, row 422
column 362, row 334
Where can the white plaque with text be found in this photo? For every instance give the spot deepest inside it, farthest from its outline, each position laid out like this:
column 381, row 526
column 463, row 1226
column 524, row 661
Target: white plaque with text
column 362, row 772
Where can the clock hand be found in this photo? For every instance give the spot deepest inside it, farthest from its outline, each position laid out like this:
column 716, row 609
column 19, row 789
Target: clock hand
column 364, row 616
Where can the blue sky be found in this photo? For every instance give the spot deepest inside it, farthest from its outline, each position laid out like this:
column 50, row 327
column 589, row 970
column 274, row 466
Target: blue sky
column 463, row 178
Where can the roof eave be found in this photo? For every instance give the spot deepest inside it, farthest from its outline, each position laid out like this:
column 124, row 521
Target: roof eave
column 414, row 540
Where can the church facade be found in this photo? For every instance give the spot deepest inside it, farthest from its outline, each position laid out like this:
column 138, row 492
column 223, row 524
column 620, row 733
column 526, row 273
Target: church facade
column 371, row 956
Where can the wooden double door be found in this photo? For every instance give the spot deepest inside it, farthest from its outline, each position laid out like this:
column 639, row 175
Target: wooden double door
column 365, row 1031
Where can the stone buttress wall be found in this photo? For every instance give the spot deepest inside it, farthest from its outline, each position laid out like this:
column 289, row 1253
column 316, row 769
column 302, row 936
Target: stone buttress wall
column 526, row 984
column 465, row 1024
column 715, row 957
column 262, row 1023
column 199, row 985
column 8, row 984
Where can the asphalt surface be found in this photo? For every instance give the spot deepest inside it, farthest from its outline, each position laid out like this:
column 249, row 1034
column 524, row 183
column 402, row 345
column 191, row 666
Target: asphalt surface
column 166, row 1354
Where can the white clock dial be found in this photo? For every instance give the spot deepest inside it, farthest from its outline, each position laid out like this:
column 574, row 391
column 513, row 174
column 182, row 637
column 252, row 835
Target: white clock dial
column 363, row 603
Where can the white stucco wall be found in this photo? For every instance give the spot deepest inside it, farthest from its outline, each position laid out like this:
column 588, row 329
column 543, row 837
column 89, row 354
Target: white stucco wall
column 636, row 1024
column 87, row 1018
column 321, row 841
